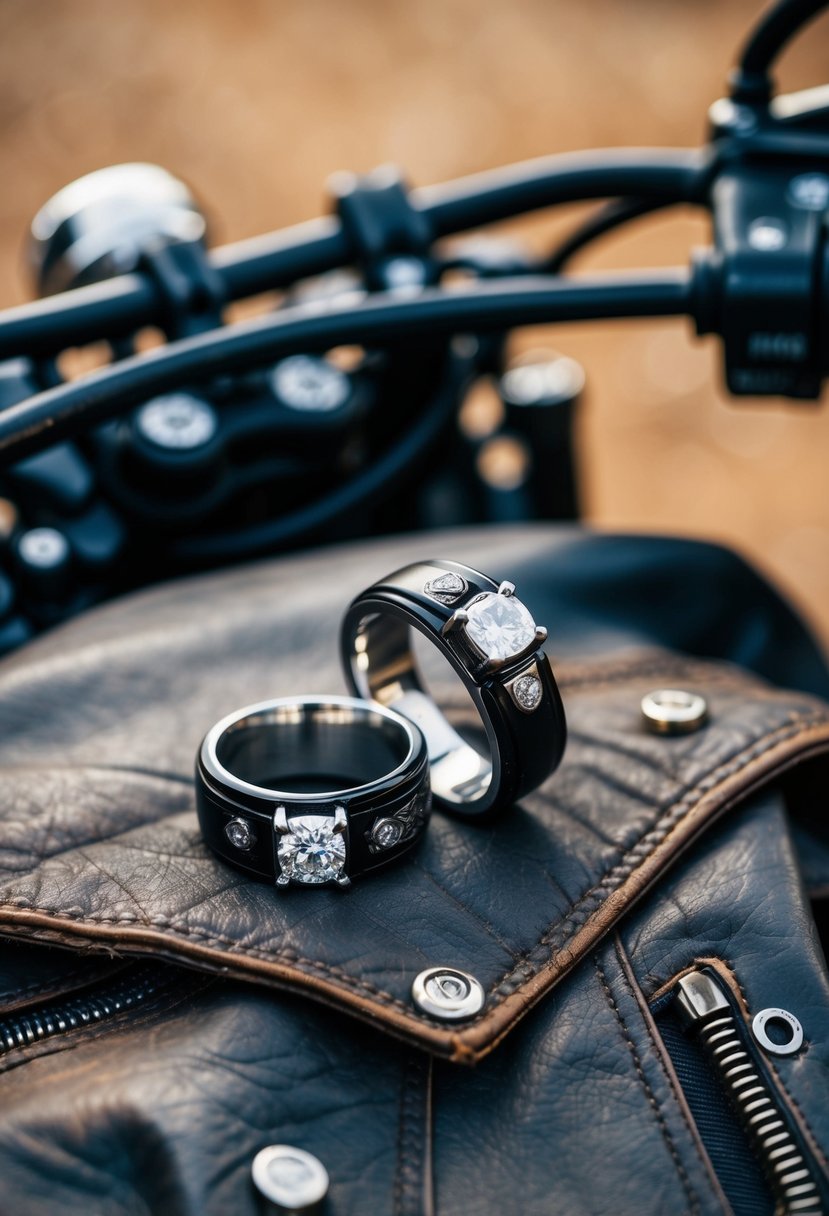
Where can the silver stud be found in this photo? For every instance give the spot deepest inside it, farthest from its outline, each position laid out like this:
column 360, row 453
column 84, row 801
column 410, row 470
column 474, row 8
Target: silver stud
column 672, row 711
column 240, row 834
column 767, row 234
column 793, row 1029
column 177, row 422
column 289, row 1179
column 448, row 994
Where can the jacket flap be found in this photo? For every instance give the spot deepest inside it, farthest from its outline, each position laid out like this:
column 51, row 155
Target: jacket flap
column 100, row 849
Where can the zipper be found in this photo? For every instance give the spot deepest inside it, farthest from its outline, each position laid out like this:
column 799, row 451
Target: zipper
column 94, row 1006
column 708, row 1014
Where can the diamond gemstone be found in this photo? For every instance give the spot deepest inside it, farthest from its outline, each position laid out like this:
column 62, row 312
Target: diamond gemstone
column 527, row 692
column 386, row 833
column 446, row 587
column 500, row 626
column 240, row 834
column 311, row 851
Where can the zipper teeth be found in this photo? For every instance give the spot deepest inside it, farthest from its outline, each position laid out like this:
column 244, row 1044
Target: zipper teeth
column 84, row 1010
column 789, row 1173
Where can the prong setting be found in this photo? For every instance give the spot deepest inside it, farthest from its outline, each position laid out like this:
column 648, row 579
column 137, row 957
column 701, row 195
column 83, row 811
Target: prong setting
column 311, row 849
column 506, row 588
column 459, row 617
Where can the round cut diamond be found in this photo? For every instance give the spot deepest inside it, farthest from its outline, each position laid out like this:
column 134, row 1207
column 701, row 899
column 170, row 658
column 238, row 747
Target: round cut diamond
column 386, row 833
column 527, row 692
column 500, row 626
column 312, row 850
column 240, row 834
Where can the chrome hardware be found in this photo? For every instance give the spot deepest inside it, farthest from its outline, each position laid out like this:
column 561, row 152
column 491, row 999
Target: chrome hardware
column 673, row 711
column 448, row 994
column 290, row 1180
column 177, row 422
column 705, row 1006
column 758, row 1027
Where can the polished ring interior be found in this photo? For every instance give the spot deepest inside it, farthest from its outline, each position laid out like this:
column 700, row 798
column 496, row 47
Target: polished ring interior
column 312, row 790
column 515, row 694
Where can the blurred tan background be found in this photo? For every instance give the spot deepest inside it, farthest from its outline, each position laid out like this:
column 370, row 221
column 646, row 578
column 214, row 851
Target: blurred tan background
column 255, row 102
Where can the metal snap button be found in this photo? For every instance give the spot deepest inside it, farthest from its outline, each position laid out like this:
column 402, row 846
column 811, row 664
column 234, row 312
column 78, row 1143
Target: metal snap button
column 792, row 1028
column 673, row 711
column 448, row 994
column 289, row 1179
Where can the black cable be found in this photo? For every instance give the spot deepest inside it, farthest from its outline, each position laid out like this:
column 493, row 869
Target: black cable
column 69, row 409
column 605, row 219
column 751, row 81
column 382, row 475
column 124, row 305
column 486, row 198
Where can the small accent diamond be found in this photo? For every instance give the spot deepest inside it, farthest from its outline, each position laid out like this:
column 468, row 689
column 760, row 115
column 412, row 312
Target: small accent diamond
column 446, row 587
column 499, row 625
column 312, row 850
column 386, row 833
column 240, row 834
column 527, row 693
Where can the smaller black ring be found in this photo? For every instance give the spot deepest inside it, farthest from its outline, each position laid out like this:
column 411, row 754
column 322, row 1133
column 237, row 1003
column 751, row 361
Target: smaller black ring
column 312, row 790
column 514, row 690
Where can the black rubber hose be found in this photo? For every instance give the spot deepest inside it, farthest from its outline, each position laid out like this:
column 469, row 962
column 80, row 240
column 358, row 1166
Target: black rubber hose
column 103, row 394
column 121, row 306
column 368, row 486
column 606, row 219
column 669, row 175
column 69, row 409
column 751, row 80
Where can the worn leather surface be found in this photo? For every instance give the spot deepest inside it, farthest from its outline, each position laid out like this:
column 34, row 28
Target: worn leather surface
column 100, row 856
column 581, row 1109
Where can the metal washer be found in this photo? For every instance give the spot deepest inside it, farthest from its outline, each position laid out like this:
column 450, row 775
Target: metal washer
column 758, row 1027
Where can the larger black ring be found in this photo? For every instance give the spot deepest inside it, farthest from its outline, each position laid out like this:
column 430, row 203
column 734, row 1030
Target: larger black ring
column 503, row 667
column 312, row 790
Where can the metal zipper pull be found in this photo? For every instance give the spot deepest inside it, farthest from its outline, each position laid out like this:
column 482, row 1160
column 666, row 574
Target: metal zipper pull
column 707, row 1010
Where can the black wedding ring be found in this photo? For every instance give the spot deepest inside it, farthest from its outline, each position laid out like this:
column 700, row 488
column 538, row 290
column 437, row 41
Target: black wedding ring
column 491, row 640
column 312, row 791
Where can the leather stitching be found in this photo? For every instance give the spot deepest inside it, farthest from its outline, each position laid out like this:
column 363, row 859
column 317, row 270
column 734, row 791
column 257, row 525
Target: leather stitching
column 654, row 1105
column 627, row 972
column 411, row 1139
column 555, row 934
column 635, row 856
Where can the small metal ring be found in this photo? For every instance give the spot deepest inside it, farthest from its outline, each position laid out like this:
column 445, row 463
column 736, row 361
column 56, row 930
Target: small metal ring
column 765, row 1016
